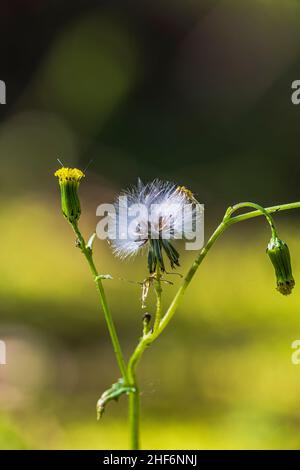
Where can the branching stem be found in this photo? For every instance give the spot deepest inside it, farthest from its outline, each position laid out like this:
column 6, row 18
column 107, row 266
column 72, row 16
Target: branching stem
column 146, row 340
column 161, row 321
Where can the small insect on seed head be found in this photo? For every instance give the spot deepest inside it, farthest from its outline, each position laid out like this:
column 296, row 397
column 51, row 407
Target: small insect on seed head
column 160, row 218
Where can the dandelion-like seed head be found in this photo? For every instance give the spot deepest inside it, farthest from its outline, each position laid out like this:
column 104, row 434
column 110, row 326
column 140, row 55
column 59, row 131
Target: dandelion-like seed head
column 148, row 217
column 69, row 179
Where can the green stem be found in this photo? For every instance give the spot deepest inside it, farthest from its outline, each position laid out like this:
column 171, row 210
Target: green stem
column 189, row 276
column 269, row 210
column 134, row 411
column 259, row 208
column 158, row 291
column 103, row 301
column 134, row 399
column 227, row 221
column 147, row 339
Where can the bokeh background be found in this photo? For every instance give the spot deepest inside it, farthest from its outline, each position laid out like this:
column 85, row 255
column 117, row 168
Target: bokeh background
column 194, row 91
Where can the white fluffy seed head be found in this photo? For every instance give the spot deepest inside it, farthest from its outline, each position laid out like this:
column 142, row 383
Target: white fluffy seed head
column 150, row 211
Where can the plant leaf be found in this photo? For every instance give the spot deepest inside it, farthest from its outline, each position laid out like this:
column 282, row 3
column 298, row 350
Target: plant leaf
column 117, row 389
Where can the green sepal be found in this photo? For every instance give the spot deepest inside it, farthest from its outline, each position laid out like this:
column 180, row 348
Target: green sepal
column 151, row 259
column 155, row 254
column 70, row 203
column 157, row 250
column 171, row 252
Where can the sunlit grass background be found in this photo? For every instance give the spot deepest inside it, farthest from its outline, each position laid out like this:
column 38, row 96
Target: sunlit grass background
column 197, row 92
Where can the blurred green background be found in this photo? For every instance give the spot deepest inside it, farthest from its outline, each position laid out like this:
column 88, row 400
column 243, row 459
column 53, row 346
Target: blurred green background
column 192, row 91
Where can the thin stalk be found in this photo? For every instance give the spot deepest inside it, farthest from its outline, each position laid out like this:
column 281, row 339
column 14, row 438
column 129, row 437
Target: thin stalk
column 134, row 411
column 103, row 301
column 189, row 276
column 149, row 338
column 134, row 397
column 263, row 211
column 158, row 292
column 270, row 210
column 146, row 340
column 227, row 221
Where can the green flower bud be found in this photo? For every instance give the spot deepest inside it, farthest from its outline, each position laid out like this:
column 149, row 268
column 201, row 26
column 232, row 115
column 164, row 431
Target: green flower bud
column 69, row 179
column 279, row 254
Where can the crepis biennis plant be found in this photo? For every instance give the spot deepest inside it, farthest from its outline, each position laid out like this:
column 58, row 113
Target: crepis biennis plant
column 159, row 249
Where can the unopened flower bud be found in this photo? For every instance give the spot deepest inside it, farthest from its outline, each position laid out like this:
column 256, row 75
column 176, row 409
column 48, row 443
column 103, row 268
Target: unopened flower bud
column 69, row 179
column 279, row 254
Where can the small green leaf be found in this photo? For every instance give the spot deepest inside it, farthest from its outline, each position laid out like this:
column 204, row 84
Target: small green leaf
column 117, row 389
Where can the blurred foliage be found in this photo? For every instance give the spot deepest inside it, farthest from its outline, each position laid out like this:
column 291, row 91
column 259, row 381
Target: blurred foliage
column 196, row 92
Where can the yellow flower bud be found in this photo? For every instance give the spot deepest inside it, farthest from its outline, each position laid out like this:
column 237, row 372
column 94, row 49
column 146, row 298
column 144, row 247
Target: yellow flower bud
column 69, row 179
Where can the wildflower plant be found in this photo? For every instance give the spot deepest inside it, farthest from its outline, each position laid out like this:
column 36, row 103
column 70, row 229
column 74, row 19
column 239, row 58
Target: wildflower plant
column 148, row 219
